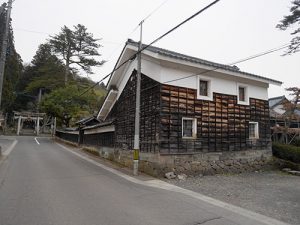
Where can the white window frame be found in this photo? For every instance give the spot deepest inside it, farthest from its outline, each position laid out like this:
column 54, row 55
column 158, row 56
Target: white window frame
column 256, row 130
column 194, row 127
column 209, row 91
column 246, row 102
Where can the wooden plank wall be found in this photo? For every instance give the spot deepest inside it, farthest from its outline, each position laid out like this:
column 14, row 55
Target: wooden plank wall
column 99, row 139
column 123, row 114
column 222, row 124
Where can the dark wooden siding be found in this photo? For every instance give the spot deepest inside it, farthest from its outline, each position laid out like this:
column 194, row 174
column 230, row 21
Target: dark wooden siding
column 123, row 114
column 99, row 139
column 67, row 136
column 222, row 124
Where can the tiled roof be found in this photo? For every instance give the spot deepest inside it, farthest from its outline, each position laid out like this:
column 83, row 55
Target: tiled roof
column 192, row 59
column 276, row 100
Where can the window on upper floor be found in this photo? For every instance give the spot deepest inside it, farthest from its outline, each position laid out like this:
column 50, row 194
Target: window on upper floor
column 242, row 94
column 204, row 88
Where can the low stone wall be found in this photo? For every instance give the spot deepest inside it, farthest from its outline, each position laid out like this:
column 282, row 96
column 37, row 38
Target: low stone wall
column 201, row 163
column 157, row 164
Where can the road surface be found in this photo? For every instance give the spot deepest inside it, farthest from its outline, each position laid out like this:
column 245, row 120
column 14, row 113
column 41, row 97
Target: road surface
column 42, row 183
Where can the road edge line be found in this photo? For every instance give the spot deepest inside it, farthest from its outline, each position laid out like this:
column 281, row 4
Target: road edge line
column 36, row 141
column 10, row 148
column 166, row 186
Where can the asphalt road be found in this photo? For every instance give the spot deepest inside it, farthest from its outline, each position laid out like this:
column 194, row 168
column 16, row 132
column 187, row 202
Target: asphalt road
column 42, row 183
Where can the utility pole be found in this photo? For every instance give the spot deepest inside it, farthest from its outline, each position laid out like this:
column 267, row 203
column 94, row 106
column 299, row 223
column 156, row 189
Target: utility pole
column 136, row 147
column 4, row 47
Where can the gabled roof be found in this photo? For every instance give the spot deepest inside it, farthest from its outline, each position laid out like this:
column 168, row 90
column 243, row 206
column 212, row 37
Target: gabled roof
column 88, row 121
column 128, row 55
column 192, row 59
column 276, row 101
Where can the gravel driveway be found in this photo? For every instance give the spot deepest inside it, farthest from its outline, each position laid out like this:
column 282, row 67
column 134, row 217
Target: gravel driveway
column 273, row 193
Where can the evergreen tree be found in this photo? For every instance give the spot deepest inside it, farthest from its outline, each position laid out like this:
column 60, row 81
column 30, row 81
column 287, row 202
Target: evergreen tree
column 290, row 20
column 13, row 66
column 45, row 72
column 76, row 47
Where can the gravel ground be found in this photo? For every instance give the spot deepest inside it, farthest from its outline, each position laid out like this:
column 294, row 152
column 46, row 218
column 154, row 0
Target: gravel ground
column 273, row 193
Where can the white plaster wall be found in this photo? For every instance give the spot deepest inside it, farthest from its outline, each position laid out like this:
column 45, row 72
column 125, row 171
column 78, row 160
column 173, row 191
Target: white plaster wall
column 122, row 82
column 228, row 86
column 220, row 83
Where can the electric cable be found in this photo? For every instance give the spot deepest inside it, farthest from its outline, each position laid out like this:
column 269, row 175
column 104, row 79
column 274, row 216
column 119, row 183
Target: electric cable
column 220, row 67
column 146, row 46
column 137, row 26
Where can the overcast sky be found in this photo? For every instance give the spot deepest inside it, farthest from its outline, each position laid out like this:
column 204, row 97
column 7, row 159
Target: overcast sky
column 229, row 31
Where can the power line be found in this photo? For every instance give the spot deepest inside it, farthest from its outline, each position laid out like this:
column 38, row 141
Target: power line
column 261, row 54
column 231, row 64
column 155, row 10
column 32, row 31
column 146, row 46
column 137, row 26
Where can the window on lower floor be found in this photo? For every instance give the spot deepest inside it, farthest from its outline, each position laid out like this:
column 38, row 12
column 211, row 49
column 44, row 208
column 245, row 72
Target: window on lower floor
column 253, row 130
column 189, row 127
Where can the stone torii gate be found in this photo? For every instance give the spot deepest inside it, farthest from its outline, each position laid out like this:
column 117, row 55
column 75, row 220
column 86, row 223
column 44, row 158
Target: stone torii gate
column 22, row 116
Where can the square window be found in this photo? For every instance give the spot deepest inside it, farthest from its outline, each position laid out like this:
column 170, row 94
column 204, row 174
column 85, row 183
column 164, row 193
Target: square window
column 253, row 130
column 189, row 127
column 242, row 92
column 203, row 90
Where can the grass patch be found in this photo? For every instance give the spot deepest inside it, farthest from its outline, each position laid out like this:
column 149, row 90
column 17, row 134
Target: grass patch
column 91, row 150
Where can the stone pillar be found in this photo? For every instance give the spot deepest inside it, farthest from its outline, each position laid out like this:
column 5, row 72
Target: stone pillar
column 38, row 126
column 54, row 126
column 19, row 125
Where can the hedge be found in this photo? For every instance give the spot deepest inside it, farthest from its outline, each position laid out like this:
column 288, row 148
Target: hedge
column 286, row 152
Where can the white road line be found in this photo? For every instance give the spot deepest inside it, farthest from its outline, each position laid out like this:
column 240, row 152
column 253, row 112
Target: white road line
column 166, row 186
column 10, row 148
column 37, row 141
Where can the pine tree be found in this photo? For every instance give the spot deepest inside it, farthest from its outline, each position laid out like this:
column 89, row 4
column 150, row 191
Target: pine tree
column 290, row 20
column 76, row 47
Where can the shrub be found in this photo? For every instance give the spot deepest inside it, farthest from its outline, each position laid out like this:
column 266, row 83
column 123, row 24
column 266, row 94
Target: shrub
column 286, row 152
column 296, row 142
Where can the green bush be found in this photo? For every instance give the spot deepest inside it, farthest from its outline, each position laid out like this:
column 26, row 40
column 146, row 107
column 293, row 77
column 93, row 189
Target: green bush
column 296, row 142
column 286, row 152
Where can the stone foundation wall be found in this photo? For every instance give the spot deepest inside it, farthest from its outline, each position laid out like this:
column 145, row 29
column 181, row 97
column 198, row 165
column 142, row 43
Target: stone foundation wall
column 208, row 163
column 202, row 163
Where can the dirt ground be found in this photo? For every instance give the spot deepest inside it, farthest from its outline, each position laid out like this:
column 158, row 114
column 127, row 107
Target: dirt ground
column 273, row 193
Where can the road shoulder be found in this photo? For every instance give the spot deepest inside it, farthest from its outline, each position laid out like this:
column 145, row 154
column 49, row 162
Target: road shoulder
column 152, row 182
column 7, row 145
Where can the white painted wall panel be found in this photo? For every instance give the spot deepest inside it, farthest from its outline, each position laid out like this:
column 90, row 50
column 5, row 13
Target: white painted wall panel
column 219, row 83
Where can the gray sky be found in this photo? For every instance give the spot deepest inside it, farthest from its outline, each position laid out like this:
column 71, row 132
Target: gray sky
column 229, row 31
